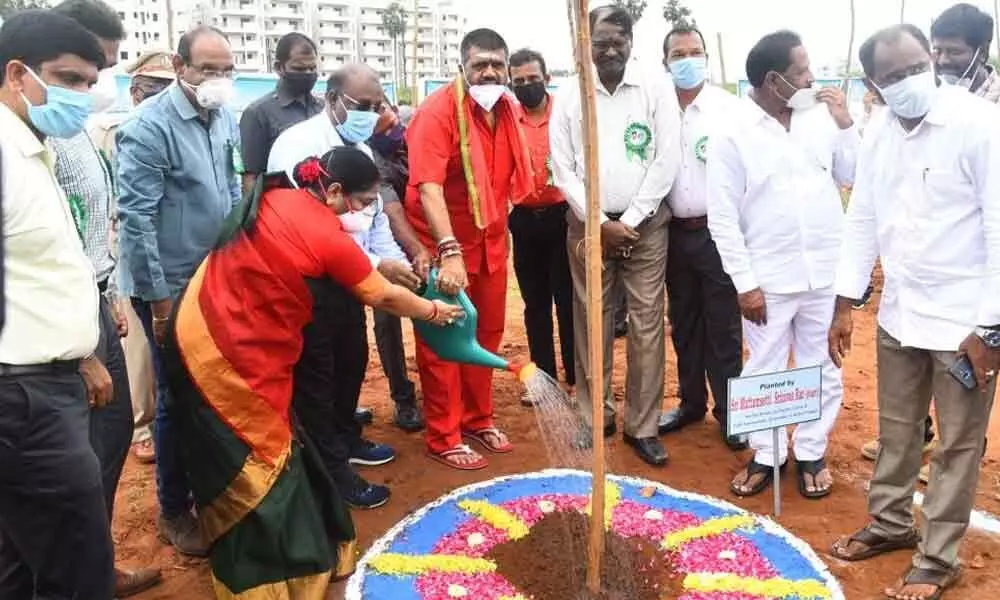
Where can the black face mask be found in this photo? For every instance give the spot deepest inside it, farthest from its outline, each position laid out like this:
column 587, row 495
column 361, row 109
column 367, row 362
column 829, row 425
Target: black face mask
column 299, row 84
column 530, row 94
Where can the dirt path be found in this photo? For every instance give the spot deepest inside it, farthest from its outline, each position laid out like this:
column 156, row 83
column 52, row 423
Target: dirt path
column 416, row 481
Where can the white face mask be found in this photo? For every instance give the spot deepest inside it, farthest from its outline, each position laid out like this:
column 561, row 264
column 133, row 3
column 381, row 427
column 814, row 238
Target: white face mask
column 912, row 97
column 965, row 79
column 802, row 99
column 104, row 94
column 487, row 95
column 212, row 93
column 357, row 221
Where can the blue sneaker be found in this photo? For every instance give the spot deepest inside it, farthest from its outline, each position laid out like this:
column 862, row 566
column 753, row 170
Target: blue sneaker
column 370, row 454
column 364, row 495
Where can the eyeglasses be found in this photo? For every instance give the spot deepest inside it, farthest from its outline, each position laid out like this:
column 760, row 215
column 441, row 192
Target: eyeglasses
column 900, row 75
column 211, row 73
column 375, row 107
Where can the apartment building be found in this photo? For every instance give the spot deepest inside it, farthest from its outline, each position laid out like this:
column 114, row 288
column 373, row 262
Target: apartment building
column 147, row 26
column 345, row 31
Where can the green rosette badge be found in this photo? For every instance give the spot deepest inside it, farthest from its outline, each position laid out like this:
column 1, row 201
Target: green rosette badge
column 78, row 209
column 701, row 148
column 638, row 137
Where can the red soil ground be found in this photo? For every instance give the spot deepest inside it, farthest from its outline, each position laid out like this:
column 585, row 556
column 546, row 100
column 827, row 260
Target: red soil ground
column 415, row 480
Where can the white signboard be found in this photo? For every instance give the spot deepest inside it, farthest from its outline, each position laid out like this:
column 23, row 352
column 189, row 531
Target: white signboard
column 773, row 400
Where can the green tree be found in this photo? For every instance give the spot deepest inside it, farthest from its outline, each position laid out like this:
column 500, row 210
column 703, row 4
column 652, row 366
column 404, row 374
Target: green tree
column 8, row 7
column 394, row 23
column 678, row 15
column 634, row 7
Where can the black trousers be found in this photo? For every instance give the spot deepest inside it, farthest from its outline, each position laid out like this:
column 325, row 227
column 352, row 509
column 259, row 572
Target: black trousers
column 329, row 375
column 705, row 321
column 55, row 541
column 111, row 426
column 392, row 354
column 541, row 264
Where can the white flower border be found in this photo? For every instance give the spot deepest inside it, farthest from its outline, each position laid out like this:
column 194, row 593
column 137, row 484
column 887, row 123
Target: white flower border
column 355, row 584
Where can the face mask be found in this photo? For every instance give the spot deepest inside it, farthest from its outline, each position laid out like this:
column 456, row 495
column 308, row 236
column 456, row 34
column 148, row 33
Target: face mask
column 688, row 73
column 357, row 221
column 105, row 93
column 802, row 99
column 532, row 94
column 64, row 113
column 912, row 97
column 963, row 80
column 299, row 84
column 212, row 94
column 357, row 127
column 487, row 95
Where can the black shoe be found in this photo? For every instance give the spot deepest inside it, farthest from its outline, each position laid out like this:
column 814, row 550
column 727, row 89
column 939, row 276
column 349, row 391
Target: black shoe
column 677, row 419
column 585, row 439
column 736, row 443
column 649, row 449
column 364, row 416
column 361, row 494
column 408, row 418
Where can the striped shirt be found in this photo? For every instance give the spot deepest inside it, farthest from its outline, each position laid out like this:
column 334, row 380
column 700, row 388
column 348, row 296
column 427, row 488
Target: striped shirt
column 85, row 177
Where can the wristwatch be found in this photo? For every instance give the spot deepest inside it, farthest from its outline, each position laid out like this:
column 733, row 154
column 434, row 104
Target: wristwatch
column 990, row 337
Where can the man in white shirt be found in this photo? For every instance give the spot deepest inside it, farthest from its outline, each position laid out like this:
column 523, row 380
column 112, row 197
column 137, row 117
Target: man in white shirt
column 354, row 101
column 638, row 128
column 927, row 202
column 55, row 540
column 774, row 211
column 704, row 315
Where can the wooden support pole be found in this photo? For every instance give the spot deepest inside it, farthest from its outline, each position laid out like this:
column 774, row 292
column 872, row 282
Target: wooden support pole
column 594, row 262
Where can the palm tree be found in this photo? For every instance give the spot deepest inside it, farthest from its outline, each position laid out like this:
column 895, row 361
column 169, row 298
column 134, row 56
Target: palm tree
column 996, row 21
column 394, row 23
column 902, row 11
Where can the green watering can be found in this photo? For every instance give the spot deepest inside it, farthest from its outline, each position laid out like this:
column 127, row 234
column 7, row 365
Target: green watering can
column 457, row 342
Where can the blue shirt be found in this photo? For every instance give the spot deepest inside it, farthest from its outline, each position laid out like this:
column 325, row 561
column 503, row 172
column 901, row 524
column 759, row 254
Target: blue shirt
column 178, row 181
column 378, row 242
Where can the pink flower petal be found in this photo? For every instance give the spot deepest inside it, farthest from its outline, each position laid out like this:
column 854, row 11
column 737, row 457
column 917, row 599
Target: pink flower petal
column 702, row 556
column 457, row 542
column 439, row 586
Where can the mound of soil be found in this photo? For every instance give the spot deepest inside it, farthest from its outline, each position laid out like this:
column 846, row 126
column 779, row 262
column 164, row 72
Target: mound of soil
column 550, row 563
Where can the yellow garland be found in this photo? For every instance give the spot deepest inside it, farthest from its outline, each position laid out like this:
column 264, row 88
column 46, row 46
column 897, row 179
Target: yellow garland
column 497, row 517
column 612, row 496
column 466, row 152
column 707, row 529
column 805, row 589
column 405, row 564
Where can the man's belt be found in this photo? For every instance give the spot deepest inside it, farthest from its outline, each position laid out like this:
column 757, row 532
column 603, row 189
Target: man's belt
column 614, row 216
column 690, row 224
column 56, row 367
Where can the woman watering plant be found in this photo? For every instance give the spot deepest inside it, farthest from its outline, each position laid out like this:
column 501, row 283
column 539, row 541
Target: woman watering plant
column 243, row 351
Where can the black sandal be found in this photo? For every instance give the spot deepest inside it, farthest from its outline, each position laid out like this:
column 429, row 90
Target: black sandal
column 755, row 468
column 814, row 468
column 877, row 544
column 940, row 579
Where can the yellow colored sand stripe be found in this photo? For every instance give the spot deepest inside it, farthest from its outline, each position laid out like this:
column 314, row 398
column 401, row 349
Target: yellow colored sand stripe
column 805, row 589
column 405, row 564
column 707, row 529
column 612, row 496
column 497, row 517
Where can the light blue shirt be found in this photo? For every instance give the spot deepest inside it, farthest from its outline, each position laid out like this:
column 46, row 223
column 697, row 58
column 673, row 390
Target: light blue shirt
column 378, row 242
column 178, row 182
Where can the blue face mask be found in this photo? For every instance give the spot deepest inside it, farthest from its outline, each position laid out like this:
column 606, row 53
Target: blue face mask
column 689, row 73
column 358, row 126
column 64, row 113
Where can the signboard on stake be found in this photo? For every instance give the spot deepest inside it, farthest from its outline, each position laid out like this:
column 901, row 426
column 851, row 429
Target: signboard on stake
column 772, row 401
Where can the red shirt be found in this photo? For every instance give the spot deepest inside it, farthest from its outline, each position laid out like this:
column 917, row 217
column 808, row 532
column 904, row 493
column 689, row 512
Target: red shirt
column 536, row 132
column 432, row 140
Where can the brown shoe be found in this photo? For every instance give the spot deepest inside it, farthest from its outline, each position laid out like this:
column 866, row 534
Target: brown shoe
column 144, row 451
column 184, row 535
column 130, row 583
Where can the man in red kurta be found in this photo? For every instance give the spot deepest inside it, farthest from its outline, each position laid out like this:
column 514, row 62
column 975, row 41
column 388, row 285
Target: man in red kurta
column 468, row 160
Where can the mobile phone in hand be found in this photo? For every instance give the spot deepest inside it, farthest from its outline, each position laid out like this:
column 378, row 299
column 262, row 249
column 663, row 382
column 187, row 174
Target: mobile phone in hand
column 963, row 372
